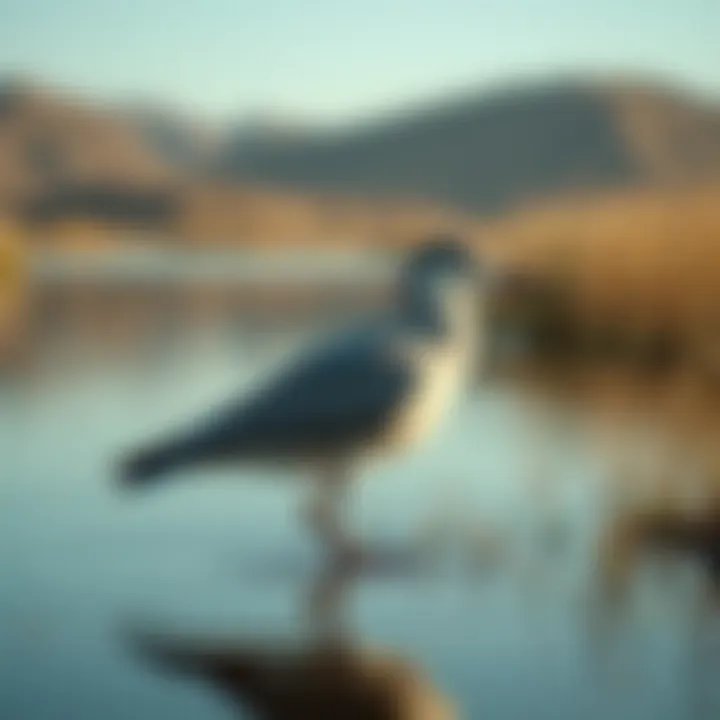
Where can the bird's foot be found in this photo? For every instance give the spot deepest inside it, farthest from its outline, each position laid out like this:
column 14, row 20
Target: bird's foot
column 348, row 555
column 354, row 557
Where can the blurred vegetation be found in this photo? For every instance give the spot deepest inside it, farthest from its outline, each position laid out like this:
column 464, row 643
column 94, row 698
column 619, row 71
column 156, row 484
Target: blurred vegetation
column 635, row 276
column 13, row 285
column 12, row 258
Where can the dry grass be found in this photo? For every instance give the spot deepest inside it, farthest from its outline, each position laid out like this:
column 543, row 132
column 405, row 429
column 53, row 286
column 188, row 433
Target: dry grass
column 637, row 267
column 13, row 286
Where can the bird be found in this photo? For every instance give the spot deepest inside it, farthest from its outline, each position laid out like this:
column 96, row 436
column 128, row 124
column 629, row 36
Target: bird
column 379, row 388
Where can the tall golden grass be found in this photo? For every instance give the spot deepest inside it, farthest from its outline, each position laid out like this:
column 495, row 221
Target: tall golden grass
column 13, row 284
column 12, row 259
column 637, row 267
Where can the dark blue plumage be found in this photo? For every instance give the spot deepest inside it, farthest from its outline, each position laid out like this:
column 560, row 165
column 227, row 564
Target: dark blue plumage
column 332, row 400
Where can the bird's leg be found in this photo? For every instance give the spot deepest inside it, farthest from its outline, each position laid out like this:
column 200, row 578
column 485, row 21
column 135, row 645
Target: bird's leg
column 327, row 602
column 327, row 512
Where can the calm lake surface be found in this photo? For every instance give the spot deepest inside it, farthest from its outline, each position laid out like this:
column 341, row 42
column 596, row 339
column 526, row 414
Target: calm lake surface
column 508, row 618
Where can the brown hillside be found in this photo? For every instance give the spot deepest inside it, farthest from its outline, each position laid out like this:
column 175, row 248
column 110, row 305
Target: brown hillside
column 49, row 141
column 73, row 170
column 491, row 153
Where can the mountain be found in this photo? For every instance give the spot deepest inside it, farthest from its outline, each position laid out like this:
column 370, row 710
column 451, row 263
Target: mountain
column 183, row 142
column 488, row 154
column 50, row 137
column 64, row 159
column 73, row 168
column 60, row 156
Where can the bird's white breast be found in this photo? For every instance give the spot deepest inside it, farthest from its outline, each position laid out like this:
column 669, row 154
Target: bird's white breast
column 439, row 372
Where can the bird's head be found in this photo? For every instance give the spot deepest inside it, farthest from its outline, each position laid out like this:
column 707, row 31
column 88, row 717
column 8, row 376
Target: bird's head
column 440, row 257
column 441, row 275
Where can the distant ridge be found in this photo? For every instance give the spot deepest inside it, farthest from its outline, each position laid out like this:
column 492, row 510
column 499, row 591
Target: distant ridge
column 454, row 162
column 76, row 169
column 488, row 153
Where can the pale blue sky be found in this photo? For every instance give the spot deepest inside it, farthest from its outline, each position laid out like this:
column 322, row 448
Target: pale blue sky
column 334, row 60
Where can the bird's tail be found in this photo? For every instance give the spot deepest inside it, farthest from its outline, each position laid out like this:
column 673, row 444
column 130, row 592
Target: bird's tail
column 149, row 465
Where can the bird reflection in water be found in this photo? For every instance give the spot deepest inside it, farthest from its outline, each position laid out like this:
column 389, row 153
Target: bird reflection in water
column 329, row 676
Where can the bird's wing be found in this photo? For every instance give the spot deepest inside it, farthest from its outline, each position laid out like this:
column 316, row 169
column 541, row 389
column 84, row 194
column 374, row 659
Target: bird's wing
column 338, row 396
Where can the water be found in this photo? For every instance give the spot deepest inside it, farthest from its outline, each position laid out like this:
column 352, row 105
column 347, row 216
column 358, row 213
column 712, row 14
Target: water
column 508, row 619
